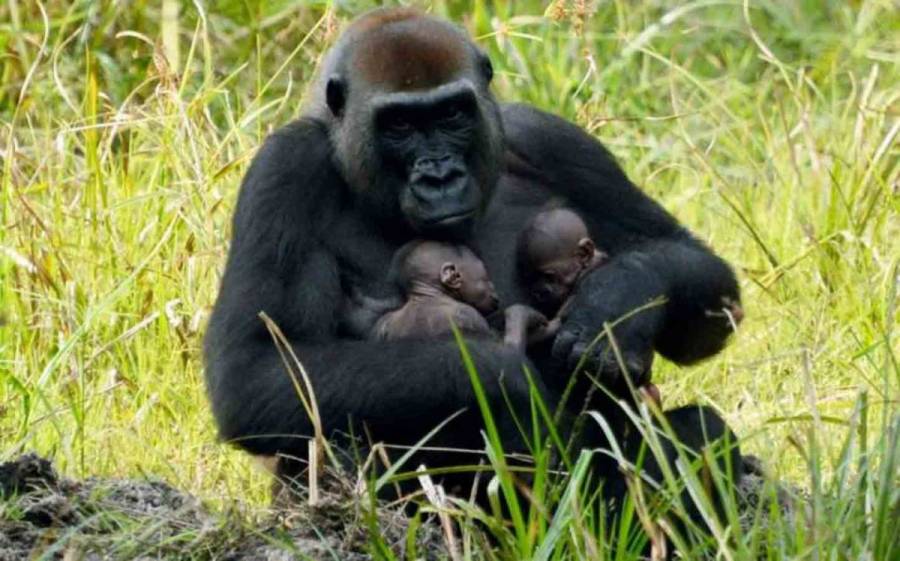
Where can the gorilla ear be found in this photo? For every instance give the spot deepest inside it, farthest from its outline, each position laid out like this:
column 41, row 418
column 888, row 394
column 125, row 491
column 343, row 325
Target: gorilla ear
column 586, row 251
column 450, row 276
column 336, row 95
column 487, row 68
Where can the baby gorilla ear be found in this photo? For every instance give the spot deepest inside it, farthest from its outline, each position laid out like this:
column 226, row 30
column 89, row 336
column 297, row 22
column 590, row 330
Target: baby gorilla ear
column 587, row 251
column 450, row 276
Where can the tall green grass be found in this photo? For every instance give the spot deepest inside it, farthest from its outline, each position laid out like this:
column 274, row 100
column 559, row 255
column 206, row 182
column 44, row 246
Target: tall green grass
column 769, row 128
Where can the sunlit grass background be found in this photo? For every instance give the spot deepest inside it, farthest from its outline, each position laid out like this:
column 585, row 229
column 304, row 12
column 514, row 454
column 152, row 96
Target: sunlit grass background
column 770, row 128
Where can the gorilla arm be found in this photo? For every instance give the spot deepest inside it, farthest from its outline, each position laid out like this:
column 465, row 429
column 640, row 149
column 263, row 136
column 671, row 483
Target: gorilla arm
column 651, row 254
column 279, row 263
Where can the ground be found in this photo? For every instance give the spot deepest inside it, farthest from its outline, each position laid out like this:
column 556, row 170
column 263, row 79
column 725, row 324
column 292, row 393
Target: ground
column 105, row 519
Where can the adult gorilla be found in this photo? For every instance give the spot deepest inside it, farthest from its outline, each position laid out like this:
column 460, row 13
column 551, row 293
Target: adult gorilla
column 405, row 140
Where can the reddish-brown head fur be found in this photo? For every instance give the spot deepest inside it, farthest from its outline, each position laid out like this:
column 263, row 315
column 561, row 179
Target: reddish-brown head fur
column 404, row 50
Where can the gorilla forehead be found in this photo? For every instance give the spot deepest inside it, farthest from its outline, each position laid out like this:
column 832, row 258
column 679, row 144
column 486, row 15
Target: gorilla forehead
column 404, row 50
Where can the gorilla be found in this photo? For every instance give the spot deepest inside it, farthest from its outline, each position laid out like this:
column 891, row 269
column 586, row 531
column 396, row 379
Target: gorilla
column 403, row 139
column 555, row 251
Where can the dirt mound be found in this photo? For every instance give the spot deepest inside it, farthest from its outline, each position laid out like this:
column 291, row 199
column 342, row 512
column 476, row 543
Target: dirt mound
column 45, row 516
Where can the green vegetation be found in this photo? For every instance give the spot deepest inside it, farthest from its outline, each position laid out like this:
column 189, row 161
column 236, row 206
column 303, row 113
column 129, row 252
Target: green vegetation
column 770, row 128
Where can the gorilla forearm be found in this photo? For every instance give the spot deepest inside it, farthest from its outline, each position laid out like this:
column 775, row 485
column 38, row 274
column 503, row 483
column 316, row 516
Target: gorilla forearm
column 694, row 282
column 699, row 286
column 400, row 391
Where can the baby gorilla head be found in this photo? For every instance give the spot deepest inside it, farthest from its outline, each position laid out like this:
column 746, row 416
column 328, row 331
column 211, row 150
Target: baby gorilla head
column 554, row 251
column 428, row 267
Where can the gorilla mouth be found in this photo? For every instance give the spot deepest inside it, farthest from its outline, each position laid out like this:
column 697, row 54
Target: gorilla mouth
column 450, row 219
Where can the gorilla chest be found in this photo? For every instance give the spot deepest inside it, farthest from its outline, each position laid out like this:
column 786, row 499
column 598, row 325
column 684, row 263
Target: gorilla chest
column 514, row 203
column 363, row 255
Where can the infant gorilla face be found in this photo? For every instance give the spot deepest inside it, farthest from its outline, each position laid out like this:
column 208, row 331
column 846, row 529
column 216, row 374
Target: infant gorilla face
column 453, row 270
column 556, row 277
column 467, row 280
column 556, row 251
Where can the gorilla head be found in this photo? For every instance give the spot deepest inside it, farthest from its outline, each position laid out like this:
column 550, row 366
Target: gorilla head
column 415, row 130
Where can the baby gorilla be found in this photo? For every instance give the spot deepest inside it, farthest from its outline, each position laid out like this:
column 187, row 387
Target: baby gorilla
column 442, row 285
column 554, row 252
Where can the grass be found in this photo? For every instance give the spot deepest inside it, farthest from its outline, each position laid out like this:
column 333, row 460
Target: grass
column 769, row 128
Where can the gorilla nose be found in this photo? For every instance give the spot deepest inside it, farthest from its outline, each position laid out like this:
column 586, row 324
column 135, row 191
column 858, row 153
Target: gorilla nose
column 436, row 171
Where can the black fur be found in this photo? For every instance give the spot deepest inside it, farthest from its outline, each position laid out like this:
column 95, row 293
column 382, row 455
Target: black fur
column 304, row 238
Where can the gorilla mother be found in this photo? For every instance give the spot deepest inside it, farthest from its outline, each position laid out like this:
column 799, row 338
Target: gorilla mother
column 403, row 139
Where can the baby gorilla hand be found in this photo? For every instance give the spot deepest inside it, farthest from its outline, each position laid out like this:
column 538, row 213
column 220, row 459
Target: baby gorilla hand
column 526, row 326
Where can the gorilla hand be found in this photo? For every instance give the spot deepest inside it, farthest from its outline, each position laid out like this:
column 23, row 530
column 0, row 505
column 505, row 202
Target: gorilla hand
column 624, row 296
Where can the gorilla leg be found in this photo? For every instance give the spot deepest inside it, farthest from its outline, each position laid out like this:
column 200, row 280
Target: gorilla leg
column 395, row 393
column 698, row 437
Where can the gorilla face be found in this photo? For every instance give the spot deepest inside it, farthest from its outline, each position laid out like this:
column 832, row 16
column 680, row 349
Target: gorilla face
column 415, row 128
column 427, row 151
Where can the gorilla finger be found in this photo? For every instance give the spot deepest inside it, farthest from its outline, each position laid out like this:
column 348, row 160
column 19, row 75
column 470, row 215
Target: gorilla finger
column 590, row 354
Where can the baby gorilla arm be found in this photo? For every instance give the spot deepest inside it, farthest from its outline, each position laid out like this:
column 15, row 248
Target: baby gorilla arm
column 526, row 326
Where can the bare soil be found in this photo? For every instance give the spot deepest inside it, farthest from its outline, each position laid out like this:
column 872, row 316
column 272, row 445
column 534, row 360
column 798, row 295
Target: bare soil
column 45, row 516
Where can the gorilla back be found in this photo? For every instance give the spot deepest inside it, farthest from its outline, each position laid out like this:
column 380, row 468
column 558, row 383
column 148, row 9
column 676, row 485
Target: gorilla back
column 403, row 139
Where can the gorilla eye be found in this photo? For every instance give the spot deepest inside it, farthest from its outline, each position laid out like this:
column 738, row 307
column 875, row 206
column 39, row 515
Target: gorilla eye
column 453, row 114
column 398, row 126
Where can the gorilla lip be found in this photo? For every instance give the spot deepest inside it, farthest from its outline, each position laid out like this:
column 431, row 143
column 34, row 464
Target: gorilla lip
column 450, row 219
